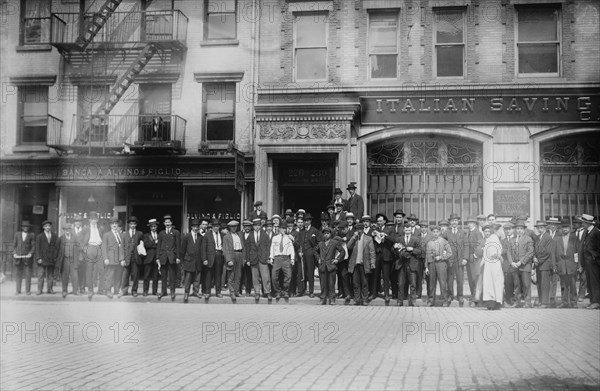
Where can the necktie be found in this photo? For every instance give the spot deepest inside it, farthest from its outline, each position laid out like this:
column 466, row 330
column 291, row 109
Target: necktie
column 68, row 236
column 281, row 245
column 118, row 238
column 168, row 231
column 406, row 239
column 217, row 241
column 256, row 237
column 454, row 231
column 154, row 235
column 132, row 233
column 518, row 238
column 194, row 235
column 48, row 236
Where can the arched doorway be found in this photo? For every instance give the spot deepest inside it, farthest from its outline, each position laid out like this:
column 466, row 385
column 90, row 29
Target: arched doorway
column 570, row 176
column 430, row 176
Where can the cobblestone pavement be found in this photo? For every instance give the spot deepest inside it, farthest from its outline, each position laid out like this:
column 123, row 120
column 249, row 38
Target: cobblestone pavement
column 49, row 343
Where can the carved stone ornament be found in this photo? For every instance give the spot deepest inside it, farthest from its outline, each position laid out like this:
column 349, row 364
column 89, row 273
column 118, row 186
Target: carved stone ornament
column 303, row 130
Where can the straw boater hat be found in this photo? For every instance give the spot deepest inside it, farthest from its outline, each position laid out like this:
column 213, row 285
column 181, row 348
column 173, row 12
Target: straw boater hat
column 585, row 218
column 152, row 222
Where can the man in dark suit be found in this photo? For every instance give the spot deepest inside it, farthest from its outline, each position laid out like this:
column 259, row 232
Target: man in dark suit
column 520, row 256
column 258, row 213
column 543, row 262
column 337, row 196
column 92, row 255
column 582, row 276
column 455, row 237
column 133, row 237
column 213, row 261
column 69, row 256
column 46, row 252
column 116, row 257
column 257, row 246
column 23, row 248
column 78, row 233
column 471, row 240
column 355, row 203
column 590, row 249
column 191, row 258
column 233, row 250
column 310, row 238
column 149, row 268
column 565, row 263
column 329, row 253
column 297, row 278
column 408, row 264
column 362, row 261
column 169, row 241
column 509, row 285
column 383, row 238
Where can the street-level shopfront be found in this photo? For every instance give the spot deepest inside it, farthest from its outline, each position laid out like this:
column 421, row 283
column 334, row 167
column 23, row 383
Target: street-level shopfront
column 59, row 189
column 432, row 151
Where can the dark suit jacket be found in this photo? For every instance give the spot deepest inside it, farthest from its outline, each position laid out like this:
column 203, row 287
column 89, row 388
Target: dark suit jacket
column 385, row 247
column 522, row 252
column 590, row 247
column 262, row 215
column 114, row 251
column 132, row 243
column 47, row 252
column 565, row 264
column 456, row 244
column 470, row 243
column 257, row 252
column 168, row 246
column 368, row 253
column 329, row 252
column 24, row 247
column 310, row 239
column 209, row 251
column 356, row 205
column 68, row 251
column 543, row 251
column 190, row 253
column 407, row 258
column 150, row 245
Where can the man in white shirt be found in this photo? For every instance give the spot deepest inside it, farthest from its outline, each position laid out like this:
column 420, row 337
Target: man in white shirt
column 233, row 251
column 92, row 255
column 281, row 256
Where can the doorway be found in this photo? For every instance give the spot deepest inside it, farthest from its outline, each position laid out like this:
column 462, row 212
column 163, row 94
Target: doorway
column 147, row 212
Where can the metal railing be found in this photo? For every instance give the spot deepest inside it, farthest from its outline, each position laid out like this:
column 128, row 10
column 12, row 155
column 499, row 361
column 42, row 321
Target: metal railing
column 122, row 27
column 116, row 131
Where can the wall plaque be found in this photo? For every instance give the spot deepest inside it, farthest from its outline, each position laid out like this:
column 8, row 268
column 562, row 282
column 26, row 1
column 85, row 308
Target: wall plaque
column 509, row 203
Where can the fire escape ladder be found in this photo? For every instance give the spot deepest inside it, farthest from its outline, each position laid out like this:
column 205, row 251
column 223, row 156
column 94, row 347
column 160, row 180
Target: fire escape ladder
column 97, row 22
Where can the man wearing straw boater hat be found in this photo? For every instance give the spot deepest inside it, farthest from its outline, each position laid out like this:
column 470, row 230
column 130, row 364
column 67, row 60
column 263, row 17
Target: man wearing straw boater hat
column 23, row 248
column 590, row 249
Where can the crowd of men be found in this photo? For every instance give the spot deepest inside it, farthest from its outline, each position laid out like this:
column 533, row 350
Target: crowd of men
column 356, row 258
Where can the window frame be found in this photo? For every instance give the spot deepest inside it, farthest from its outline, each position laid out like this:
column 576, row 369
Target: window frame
column 23, row 21
column 20, row 114
column 436, row 45
column 556, row 8
column 206, row 24
column 205, row 112
column 393, row 11
column 295, row 47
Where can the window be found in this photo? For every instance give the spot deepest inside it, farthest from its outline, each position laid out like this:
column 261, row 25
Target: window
column 449, row 42
column 155, row 110
column 219, row 100
column 35, row 28
column 92, row 125
column 383, row 44
column 33, row 115
column 310, row 46
column 538, row 41
column 220, row 19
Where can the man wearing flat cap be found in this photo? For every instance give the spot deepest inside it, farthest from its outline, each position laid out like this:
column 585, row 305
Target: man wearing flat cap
column 133, row 237
column 233, row 250
column 590, row 249
column 258, row 213
column 116, row 257
column 355, row 203
column 46, row 253
column 565, row 262
column 23, row 249
column 169, row 242
column 520, row 256
column 149, row 268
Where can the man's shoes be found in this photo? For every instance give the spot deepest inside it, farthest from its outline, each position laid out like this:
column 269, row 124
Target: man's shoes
column 358, row 302
column 219, row 295
column 332, row 301
column 121, row 294
column 233, row 298
column 38, row 293
column 543, row 306
column 76, row 293
column 564, row 305
column 432, row 304
column 145, row 294
column 311, row 295
column 51, row 292
column 446, row 304
column 64, row 295
column 299, row 295
column 461, row 302
column 28, row 293
column 248, row 294
column 346, row 301
column 186, row 297
column 206, row 297
column 237, row 294
column 323, row 301
column 472, row 304
column 400, row 303
column 593, row 306
column 194, row 294
column 172, row 296
column 371, row 298
column 160, row 295
column 109, row 295
column 134, row 294
column 90, row 295
column 17, row 293
column 527, row 305
column 269, row 298
column 256, row 298
column 411, row 303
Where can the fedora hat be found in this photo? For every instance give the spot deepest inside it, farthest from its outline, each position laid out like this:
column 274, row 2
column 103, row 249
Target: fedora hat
column 471, row 219
column 195, row 222
column 553, row 220
column 521, row 223
column 247, row 223
column 540, row 223
column 338, row 191
column 399, row 212
column 67, row 226
column 167, row 217
column 454, row 216
column 351, row 185
column 307, row 216
column 412, row 216
column 288, row 212
column 132, row 219
column 46, row 222
column 444, row 222
column 25, row 223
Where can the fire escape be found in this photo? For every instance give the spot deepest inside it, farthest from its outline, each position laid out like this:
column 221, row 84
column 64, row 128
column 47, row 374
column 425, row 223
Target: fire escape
column 110, row 47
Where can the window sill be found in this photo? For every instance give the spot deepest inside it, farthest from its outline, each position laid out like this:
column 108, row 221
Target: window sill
column 220, row 42
column 34, row 48
column 30, row 148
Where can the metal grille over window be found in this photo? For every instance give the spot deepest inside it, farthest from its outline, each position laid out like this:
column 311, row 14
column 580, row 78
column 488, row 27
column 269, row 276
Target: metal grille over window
column 570, row 176
column 430, row 177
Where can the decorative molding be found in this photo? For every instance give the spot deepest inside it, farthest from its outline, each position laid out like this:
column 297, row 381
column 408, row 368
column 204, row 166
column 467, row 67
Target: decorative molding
column 290, row 112
column 304, row 130
column 382, row 4
column 87, row 80
column 169, row 78
column 33, row 80
column 211, row 77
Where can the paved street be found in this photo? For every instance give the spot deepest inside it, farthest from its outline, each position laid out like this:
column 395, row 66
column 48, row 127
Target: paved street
column 133, row 344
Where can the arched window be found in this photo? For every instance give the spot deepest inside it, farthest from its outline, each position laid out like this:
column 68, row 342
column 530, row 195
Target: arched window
column 428, row 176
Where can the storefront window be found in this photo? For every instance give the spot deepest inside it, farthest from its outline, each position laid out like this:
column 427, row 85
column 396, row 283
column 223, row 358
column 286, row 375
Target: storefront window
column 221, row 202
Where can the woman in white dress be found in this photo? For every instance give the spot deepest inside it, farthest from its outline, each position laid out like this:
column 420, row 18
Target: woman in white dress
column 491, row 290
